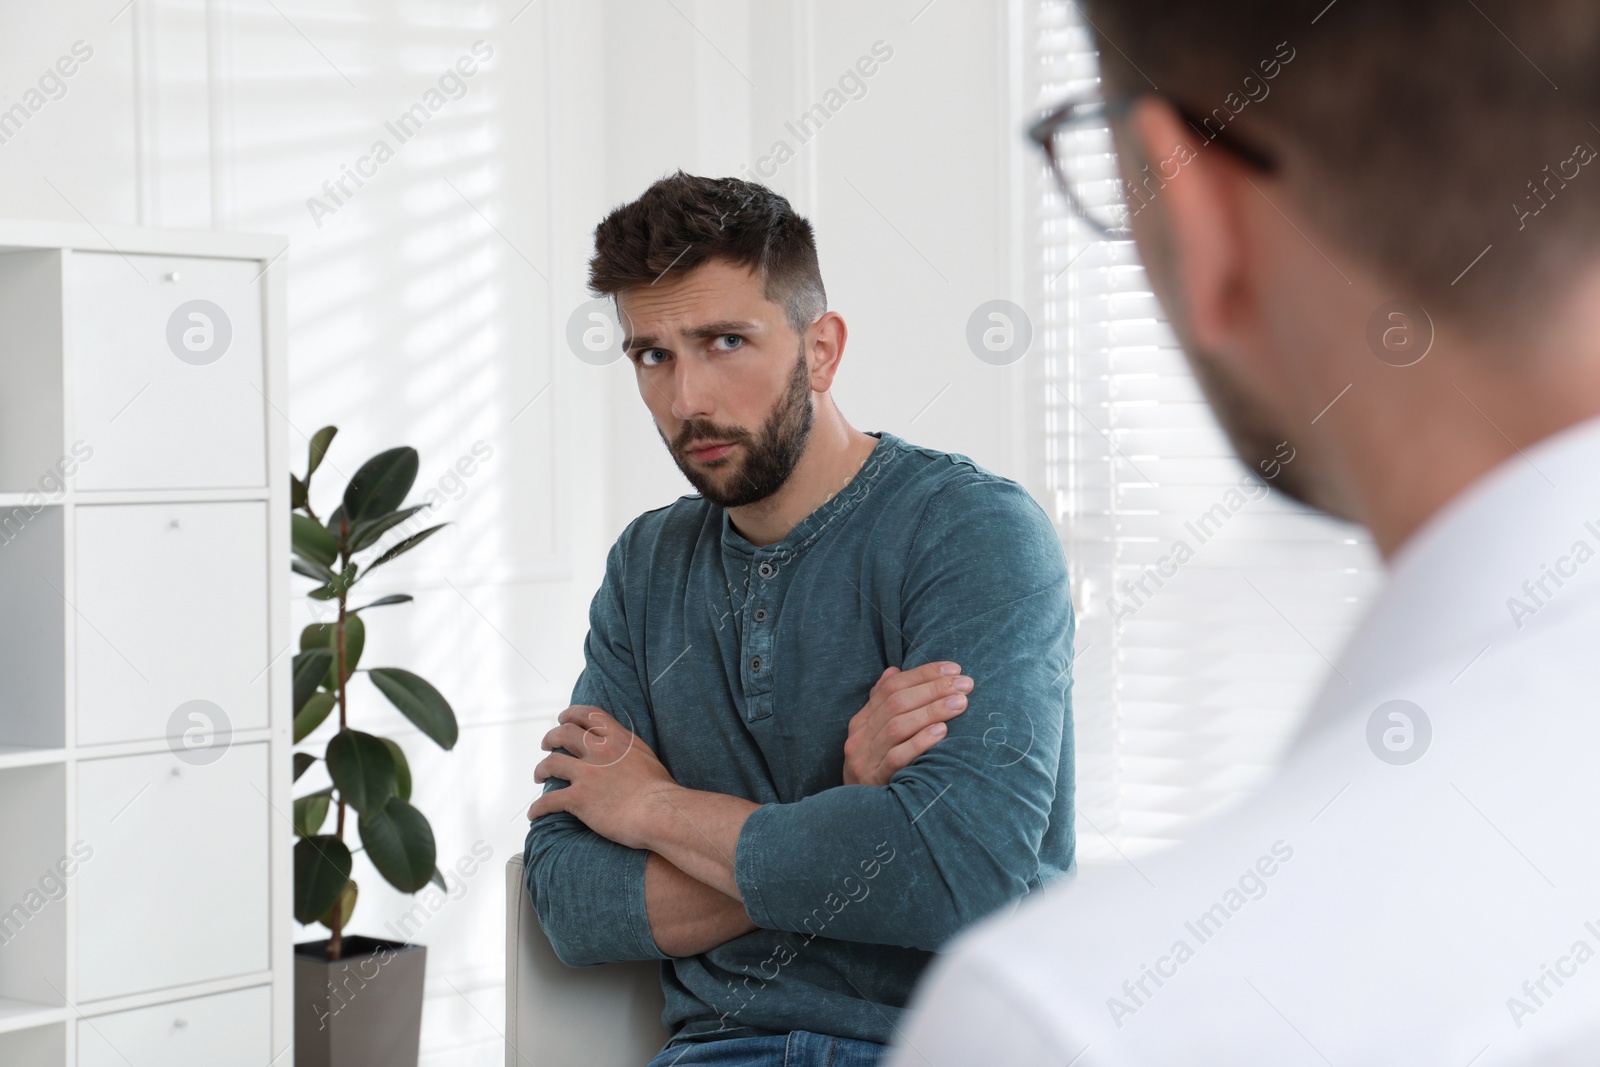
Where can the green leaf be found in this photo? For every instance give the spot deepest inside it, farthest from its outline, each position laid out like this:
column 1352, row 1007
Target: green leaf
column 355, row 639
column 315, row 636
column 311, row 541
column 312, row 570
column 402, row 770
column 309, row 668
column 321, row 869
column 362, row 768
column 311, row 811
column 302, row 763
column 365, row 534
column 400, row 844
column 340, row 912
column 319, row 448
column 309, row 717
column 337, row 584
column 297, row 494
column 438, row 880
column 407, row 545
column 393, row 598
column 418, row 701
column 336, row 525
column 326, row 635
column 381, row 485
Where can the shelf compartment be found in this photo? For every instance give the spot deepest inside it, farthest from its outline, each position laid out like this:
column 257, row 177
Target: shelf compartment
column 166, row 381
column 156, row 822
column 171, row 608
column 32, row 629
column 37, row 872
column 232, row 1028
column 31, row 348
column 38, row 1043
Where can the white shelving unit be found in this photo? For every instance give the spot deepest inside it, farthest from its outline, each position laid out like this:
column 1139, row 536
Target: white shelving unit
column 146, row 873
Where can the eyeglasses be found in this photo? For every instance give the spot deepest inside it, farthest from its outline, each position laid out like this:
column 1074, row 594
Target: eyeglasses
column 1092, row 181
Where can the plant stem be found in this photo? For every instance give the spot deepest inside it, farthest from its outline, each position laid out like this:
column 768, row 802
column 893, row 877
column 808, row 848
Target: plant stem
column 336, row 942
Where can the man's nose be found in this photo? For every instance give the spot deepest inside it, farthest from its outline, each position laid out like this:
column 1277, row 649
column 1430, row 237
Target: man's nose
column 691, row 397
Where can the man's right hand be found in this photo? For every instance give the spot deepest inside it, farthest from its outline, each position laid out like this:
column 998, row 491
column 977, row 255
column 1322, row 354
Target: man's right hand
column 904, row 717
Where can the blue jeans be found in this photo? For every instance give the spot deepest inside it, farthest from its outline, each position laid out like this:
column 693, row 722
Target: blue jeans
column 798, row 1048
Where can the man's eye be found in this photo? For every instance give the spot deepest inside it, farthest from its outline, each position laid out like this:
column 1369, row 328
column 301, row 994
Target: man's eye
column 729, row 341
column 651, row 357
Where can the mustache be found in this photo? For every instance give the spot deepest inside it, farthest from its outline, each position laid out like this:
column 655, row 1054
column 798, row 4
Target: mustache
column 703, row 431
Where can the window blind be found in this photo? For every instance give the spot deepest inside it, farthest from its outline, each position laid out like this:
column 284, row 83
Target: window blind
column 1209, row 611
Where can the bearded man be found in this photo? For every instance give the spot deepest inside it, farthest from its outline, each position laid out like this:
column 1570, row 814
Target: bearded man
column 825, row 721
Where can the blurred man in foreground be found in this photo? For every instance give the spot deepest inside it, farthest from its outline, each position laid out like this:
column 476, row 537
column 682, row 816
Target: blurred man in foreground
column 1373, row 227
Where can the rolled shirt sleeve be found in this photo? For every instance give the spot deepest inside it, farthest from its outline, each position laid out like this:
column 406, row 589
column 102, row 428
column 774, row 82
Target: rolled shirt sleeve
column 956, row 834
column 589, row 891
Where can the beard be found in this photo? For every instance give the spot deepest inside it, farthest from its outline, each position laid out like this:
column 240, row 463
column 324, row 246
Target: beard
column 1252, row 430
column 770, row 455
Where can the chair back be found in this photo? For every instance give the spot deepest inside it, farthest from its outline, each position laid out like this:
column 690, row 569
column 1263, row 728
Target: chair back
column 560, row 1016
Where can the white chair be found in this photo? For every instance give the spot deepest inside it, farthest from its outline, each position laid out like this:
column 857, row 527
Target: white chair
column 560, row 1016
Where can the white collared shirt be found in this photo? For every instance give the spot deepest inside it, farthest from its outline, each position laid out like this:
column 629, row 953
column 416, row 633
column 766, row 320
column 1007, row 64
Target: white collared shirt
column 1418, row 884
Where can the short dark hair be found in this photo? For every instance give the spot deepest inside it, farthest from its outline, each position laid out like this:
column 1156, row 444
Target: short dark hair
column 683, row 220
column 1414, row 134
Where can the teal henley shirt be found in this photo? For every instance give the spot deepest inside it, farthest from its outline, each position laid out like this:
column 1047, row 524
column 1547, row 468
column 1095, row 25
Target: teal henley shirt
column 741, row 668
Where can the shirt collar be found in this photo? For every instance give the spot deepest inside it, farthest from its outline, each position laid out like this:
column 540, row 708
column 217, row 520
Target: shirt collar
column 1467, row 583
column 831, row 510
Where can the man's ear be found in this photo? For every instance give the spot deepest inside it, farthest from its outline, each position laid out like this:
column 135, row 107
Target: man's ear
column 1187, row 221
column 824, row 347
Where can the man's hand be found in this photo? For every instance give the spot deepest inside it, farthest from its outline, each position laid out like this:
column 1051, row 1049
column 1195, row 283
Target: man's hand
column 617, row 783
column 904, row 717
column 620, row 790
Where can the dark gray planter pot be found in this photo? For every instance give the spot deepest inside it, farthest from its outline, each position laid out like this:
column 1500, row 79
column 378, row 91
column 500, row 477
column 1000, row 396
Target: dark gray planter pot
column 365, row 1010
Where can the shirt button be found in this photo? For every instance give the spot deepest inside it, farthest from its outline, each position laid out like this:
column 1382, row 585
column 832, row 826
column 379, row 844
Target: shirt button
column 766, row 570
column 761, row 615
column 755, row 664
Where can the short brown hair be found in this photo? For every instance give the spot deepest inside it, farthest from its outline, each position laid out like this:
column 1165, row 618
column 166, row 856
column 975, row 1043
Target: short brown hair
column 683, row 220
column 1414, row 134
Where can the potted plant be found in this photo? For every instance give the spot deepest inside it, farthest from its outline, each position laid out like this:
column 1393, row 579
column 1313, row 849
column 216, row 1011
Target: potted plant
column 358, row 1000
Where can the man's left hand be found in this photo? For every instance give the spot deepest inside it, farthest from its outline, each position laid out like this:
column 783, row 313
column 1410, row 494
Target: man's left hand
column 617, row 784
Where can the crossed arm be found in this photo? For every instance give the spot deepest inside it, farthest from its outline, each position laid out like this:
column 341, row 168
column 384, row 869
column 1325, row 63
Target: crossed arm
column 620, row 790
column 623, row 861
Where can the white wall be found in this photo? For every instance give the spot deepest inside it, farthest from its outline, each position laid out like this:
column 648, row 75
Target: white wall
column 910, row 187
column 430, row 307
